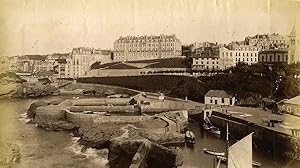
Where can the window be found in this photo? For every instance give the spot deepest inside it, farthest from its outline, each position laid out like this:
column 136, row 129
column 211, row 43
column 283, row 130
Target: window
column 211, row 101
column 288, row 109
column 216, row 101
column 230, row 101
column 223, row 100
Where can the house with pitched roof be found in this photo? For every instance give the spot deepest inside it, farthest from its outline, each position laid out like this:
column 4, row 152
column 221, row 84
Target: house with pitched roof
column 219, row 97
column 290, row 106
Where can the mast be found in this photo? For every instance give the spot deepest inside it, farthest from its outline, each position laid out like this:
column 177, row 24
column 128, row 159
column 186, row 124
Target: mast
column 227, row 142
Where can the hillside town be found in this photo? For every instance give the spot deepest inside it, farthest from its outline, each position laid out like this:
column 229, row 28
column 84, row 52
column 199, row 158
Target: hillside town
column 264, row 49
column 198, row 84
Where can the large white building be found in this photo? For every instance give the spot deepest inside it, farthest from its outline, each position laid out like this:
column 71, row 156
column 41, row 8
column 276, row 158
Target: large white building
column 241, row 53
column 80, row 60
column 131, row 48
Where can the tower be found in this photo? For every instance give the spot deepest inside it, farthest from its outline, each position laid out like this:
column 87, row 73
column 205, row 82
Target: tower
column 292, row 46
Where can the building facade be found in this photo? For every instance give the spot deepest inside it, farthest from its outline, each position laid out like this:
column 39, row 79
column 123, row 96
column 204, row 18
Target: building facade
column 80, row 60
column 240, row 53
column 146, row 47
column 272, row 56
column 206, row 58
column 219, row 97
column 266, row 41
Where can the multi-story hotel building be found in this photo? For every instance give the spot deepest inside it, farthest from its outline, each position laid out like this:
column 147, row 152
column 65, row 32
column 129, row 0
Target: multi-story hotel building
column 146, row 47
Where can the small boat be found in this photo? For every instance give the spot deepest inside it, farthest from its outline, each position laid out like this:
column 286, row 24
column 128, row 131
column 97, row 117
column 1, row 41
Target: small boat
column 211, row 152
column 211, row 129
column 224, row 160
column 190, row 137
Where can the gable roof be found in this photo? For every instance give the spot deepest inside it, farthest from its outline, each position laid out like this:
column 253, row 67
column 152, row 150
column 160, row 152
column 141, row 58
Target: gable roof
column 294, row 100
column 218, row 93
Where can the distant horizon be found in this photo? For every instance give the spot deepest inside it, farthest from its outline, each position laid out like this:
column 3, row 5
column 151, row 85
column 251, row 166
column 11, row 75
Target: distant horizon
column 58, row 26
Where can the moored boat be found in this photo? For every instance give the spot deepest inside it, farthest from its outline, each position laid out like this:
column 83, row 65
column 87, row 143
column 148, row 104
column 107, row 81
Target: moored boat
column 190, row 137
column 211, row 152
column 211, row 129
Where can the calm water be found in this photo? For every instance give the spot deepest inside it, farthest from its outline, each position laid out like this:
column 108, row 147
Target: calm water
column 44, row 149
column 195, row 157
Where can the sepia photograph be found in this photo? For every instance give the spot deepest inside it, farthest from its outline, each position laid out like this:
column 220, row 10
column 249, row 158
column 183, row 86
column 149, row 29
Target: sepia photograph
column 149, row 83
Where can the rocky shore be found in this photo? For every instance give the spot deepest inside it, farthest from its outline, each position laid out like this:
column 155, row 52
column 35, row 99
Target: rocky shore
column 10, row 153
column 132, row 141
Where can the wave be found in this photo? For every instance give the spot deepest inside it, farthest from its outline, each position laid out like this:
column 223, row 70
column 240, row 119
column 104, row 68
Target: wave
column 96, row 156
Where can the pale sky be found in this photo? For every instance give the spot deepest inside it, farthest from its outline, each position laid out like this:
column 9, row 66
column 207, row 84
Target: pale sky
column 48, row 26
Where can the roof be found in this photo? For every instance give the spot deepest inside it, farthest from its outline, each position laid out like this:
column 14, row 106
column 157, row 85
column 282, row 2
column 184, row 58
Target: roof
column 294, row 100
column 169, row 63
column 44, row 80
column 122, row 66
column 274, row 51
column 206, row 52
column 98, row 65
column 218, row 93
column 61, row 60
column 154, row 63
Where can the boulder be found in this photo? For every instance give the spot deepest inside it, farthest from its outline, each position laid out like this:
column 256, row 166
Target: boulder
column 33, row 106
column 98, row 136
column 121, row 153
column 142, row 153
column 160, row 156
column 52, row 118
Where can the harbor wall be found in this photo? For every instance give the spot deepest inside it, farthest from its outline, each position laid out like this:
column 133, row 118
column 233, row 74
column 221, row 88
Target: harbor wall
column 264, row 138
column 84, row 119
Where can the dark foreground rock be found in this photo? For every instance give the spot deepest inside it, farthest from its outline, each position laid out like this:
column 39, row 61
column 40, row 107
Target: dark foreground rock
column 142, row 154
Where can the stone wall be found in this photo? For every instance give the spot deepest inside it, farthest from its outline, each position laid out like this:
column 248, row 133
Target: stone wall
column 84, row 119
column 101, row 101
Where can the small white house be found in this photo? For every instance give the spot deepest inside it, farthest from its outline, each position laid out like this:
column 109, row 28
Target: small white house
column 219, row 97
